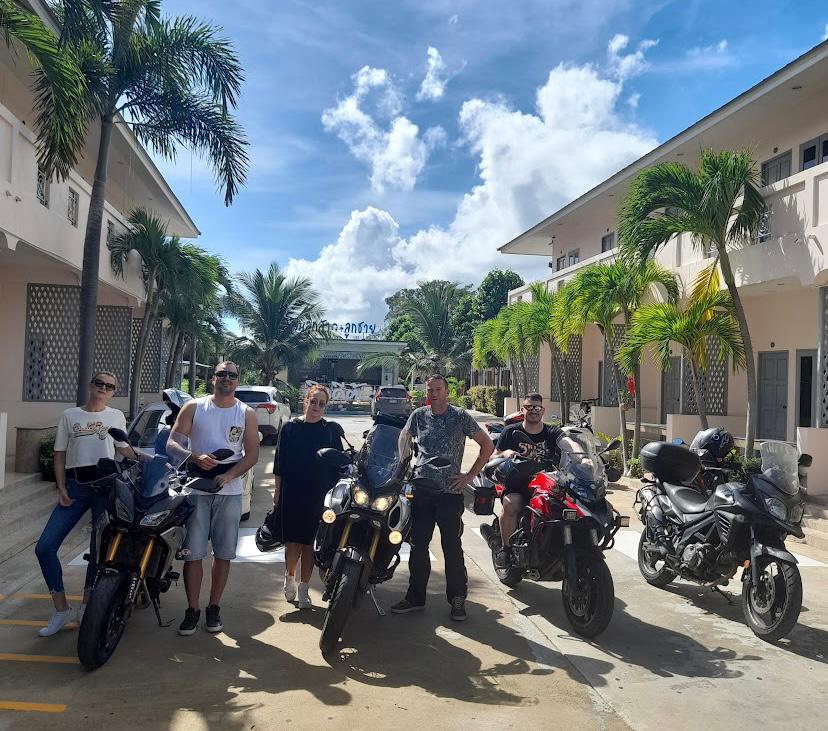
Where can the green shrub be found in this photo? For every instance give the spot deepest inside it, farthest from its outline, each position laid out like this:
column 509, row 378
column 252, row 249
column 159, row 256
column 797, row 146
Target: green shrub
column 745, row 467
column 417, row 399
column 46, row 459
column 488, row 399
column 292, row 394
column 465, row 402
column 634, row 468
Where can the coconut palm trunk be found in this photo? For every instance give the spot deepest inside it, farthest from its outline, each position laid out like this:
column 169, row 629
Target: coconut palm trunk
column 176, row 346
column 619, row 384
column 193, row 369
column 91, row 265
column 636, row 443
column 147, row 321
column 701, row 402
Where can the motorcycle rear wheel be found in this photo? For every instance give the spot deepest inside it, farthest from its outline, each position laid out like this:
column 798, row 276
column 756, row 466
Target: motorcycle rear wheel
column 772, row 612
column 103, row 622
column 510, row 576
column 590, row 604
column 658, row 576
column 340, row 607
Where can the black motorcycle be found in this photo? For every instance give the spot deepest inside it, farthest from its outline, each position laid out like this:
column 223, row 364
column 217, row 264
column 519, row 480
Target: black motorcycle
column 707, row 538
column 144, row 529
column 366, row 518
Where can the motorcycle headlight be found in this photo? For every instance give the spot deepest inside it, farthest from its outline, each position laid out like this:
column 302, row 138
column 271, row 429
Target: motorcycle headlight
column 122, row 511
column 381, row 504
column 154, row 519
column 776, row 508
column 360, row 497
column 796, row 513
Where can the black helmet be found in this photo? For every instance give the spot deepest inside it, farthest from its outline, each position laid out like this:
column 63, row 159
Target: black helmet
column 717, row 442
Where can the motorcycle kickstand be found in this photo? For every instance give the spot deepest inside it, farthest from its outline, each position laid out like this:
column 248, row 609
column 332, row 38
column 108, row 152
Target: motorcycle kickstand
column 156, row 605
column 378, row 606
column 726, row 596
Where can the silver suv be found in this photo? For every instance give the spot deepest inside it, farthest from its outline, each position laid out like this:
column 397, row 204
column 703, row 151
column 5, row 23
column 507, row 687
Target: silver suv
column 391, row 400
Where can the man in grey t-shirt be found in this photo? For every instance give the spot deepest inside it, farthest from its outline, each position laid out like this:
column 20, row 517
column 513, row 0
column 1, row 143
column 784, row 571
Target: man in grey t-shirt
column 440, row 430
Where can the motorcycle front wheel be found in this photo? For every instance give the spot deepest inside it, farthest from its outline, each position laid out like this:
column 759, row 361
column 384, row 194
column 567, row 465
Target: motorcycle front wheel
column 104, row 621
column 589, row 597
column 772, row 608
column 340, row 606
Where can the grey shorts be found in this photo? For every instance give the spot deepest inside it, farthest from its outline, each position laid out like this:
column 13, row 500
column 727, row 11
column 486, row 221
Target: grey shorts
column 215, row 518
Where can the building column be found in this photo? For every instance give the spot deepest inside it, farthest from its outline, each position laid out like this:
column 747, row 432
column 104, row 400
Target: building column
column 822, row 357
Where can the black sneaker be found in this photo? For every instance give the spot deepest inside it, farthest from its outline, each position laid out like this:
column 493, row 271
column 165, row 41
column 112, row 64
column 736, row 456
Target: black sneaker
column 405, row 606
column 213, row 623
column 190, row 623
column 458, row 609
column 503, row 558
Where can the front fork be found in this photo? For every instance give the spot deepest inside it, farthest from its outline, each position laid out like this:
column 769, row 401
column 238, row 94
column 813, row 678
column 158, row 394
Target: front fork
column 754, row 568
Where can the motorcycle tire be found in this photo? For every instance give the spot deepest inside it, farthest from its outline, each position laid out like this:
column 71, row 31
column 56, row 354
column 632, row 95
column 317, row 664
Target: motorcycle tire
column 340, row 607
column 655, row 576
column 591, row 618
column 103, row 622
column 772, row 617
column 511, row 576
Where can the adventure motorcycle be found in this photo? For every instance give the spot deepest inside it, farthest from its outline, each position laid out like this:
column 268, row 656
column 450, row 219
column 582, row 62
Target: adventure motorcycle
column 366, row 518
column 143, row 531
column 563, row 530
column 706, row 539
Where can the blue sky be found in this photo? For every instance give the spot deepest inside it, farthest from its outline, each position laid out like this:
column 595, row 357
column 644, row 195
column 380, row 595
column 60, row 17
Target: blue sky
column 397, row 141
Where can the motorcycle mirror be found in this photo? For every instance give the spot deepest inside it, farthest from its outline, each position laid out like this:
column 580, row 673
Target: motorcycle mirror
column 438, row 462
column 614, row 444
column 333, row 457
column 805, row 460
column 119, row 435
column 261, row 437
column 221, row 454
column 522, row 438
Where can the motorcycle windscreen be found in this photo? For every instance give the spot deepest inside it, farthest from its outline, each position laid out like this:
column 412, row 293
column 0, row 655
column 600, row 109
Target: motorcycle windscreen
column 381, row 461
column 780, row 465
column 582, row 464
column 158, row 471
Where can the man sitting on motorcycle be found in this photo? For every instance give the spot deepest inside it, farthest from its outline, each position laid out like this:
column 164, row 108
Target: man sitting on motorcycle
column 532, row 440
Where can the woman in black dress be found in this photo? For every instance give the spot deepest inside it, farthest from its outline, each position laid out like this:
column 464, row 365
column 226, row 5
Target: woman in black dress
column 302, row 480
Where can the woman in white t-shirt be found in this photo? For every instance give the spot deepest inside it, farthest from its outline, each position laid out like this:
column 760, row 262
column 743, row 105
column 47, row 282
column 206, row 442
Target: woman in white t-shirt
column 81, row 440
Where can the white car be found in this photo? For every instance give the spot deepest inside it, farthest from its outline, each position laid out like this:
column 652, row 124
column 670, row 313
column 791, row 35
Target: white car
column 152, row 419
column 271, row 406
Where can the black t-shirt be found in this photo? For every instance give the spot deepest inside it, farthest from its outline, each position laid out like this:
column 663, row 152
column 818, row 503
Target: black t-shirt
column 543, row 444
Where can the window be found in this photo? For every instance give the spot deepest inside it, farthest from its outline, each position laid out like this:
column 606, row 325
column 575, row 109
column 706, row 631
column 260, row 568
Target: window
column 608, row 242
column 776, row 169
column 252, row 397
column 560, row 263
column 72, row 211
column 813, row 152
column 110, row 231
column 42, row 188
column 574, row 257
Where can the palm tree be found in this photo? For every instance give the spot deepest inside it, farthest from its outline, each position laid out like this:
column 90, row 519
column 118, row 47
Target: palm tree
column 720, row 206
column 168, row 266
column 59, row 86
column 281, row 320
column 602, row 294
column 656, row 326
column 173, row 81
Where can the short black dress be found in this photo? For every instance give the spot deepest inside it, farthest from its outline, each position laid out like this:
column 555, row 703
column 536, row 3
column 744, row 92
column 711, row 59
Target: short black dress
column 305, row 478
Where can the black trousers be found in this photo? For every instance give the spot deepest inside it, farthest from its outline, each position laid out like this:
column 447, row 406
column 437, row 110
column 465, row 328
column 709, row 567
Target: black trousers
column 446, row 512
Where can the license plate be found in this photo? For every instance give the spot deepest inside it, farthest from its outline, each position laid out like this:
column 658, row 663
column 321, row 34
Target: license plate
column 393, row 400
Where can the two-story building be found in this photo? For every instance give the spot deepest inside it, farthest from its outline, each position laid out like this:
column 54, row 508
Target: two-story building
column 782, row 275
column 42, row 225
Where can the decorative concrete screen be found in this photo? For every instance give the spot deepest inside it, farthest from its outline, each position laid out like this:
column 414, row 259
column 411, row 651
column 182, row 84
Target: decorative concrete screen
column 530, row 384
column 823, row 364
column 713, row 384
column 151, row 378
column 609, row 387
column 572, row 364
column 50, row 367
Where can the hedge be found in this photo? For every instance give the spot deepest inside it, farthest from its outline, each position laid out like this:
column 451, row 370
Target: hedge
column 488, row 399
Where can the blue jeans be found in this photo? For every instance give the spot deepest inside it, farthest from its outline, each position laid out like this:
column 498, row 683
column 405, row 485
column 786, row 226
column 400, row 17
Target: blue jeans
column 60, row 524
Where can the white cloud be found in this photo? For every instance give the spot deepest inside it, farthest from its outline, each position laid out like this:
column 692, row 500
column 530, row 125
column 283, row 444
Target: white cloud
column 434, row 83
column 703, row 58
column 633, row 99
column 396, row 154
column 455, row 19
column 530, row 164
column 629, row 65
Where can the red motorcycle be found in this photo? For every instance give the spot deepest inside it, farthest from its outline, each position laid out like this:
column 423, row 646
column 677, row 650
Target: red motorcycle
column 562, row 531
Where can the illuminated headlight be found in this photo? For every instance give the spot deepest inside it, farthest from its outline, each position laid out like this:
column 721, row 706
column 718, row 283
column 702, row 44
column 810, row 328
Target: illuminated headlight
column 776, row 508
column 122, row 511
column 381, row 504
column 154, row 519
column 395, row 538
column 360, row 497
column 329, row 516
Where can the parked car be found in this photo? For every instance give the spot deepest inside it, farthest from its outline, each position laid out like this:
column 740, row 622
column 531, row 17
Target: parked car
column 271, row 406
column 153, row 418
column 391, row 400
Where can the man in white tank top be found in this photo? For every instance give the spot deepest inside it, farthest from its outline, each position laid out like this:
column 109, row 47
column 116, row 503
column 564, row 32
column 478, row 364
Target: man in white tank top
column 215, row 422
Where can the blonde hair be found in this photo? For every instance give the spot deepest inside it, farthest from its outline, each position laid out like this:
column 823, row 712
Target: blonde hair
column 314, row 389
column 98, row 374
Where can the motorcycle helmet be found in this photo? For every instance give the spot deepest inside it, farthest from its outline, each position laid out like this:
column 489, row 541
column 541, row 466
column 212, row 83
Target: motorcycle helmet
column 515, row 475
column 717, row 442
column 174, row 399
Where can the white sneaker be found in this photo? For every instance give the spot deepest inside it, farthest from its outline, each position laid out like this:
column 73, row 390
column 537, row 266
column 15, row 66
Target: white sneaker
column 57, row 622
column 304, row 597
column 290, row 588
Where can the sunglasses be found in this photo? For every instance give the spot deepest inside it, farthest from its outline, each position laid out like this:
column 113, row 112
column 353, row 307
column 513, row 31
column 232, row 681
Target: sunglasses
column 232, row 375
column 103, row 384
column 320, row 404
column 532, row 407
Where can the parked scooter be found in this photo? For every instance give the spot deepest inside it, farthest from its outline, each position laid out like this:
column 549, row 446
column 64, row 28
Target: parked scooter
column 367, row 517
column 563, row 530
column 707, row 538
column 144, row 530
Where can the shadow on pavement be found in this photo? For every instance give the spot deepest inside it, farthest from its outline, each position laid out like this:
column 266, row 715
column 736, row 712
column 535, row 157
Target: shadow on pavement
column 662, row 651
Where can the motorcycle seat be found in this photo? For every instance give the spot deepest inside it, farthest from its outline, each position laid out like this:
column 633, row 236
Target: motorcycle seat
column 686, row 499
